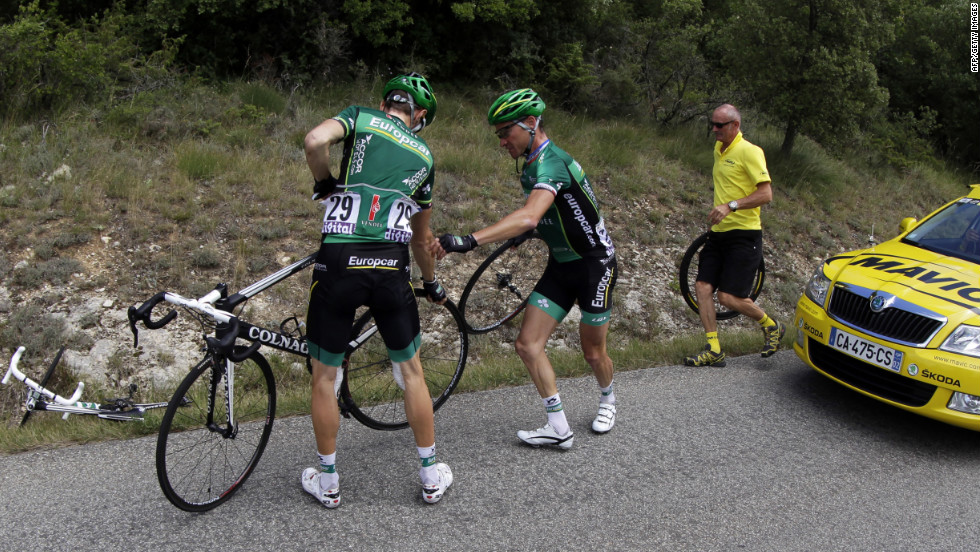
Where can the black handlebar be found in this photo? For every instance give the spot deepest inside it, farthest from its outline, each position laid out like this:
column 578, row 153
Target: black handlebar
column 226, row 345
column 143, row 314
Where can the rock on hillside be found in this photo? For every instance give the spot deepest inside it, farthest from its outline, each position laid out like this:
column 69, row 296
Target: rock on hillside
column 647, row 307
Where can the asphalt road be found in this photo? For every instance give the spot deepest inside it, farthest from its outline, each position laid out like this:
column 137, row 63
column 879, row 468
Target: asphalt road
column 761, row 455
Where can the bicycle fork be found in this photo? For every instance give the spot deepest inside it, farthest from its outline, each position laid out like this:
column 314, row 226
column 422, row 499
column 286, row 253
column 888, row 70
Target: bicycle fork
column 222, row 369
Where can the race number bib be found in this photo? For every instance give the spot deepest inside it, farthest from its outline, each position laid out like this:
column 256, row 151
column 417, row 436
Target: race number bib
column 399, row 221
column 341, row 214
column 604, row 238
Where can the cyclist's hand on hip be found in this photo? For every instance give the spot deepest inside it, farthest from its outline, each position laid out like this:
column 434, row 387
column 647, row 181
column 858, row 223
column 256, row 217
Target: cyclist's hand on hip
column 325, row 187
column 434, row 290
column 457, row 244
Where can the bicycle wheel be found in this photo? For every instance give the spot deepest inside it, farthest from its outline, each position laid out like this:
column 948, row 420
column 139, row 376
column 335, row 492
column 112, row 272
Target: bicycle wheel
column 500, row 286
column 688, row 273
column 369, row 389
column 44, row 380
column 201, row 457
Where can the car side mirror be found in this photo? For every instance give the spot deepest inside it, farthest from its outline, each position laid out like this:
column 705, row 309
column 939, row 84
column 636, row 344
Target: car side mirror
column 907, row 223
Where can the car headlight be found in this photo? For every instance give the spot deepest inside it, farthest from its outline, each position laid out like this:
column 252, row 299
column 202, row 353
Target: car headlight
column 817, row 287
column 964, row 340
column 961, row 402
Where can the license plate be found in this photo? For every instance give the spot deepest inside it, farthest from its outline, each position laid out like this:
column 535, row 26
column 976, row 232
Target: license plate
column 865, row 350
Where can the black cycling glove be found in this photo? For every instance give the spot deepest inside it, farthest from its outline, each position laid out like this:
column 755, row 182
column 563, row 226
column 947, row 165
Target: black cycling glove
column 457, row 244
column 434, row 290
column 325, row 187
column 518, row 240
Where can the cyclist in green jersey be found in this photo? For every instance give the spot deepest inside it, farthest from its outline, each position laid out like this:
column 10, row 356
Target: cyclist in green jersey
column 375, row 211
column 562, row 206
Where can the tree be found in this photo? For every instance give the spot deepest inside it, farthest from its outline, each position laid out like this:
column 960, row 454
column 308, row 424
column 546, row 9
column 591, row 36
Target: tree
column 809, row 63
column 932, row 90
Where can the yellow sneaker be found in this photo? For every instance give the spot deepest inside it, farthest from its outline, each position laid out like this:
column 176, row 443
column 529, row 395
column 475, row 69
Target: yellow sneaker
column 774, row 334
column 707, row 357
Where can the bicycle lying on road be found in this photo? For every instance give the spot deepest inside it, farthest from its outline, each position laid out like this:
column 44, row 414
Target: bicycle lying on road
column 218, row 422
column 688, row 273
column 41, row 398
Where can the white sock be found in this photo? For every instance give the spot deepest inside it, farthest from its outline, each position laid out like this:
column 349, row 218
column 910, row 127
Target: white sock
column 556, row 414
column 328, row 471
column 607, row 397
column 428, row 472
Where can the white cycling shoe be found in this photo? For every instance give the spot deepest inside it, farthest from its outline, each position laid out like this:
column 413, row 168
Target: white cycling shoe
column 311, row 484
column 433, row 493
column 605, row 419
column 546, row 436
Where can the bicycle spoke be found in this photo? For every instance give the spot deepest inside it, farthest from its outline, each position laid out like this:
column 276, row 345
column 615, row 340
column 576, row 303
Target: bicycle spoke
column 500, row 286
column 200, row 466
column 370, row 388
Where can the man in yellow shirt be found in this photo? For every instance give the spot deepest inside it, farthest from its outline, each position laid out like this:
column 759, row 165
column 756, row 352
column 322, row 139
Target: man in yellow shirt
column 734, row 248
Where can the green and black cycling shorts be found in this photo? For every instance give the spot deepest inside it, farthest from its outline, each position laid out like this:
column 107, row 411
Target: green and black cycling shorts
column 728, row 261
column 350, row 275
column 590, row 281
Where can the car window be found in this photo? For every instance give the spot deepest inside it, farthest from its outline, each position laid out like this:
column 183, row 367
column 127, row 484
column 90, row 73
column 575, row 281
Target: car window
column 954, row 231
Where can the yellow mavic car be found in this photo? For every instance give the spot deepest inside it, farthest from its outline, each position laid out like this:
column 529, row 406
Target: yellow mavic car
column 900, row 322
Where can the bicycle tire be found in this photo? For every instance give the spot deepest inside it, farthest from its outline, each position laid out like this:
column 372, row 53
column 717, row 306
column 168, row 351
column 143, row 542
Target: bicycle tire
column 499, row 288
column 201, row 464
column 44, row 381
column 369, row 390
column 688, row 272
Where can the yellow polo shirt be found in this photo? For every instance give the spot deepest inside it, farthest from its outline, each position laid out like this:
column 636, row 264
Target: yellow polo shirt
column 737, row 172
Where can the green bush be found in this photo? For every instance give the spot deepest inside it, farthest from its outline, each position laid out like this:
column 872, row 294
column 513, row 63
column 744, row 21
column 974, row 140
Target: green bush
column 46, row 65
column 263, row 97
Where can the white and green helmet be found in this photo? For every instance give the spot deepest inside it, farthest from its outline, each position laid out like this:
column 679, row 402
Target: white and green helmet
column 421, row 95
column 514, row 105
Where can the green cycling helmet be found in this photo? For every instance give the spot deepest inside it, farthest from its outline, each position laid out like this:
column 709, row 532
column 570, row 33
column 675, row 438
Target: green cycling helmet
column 420, row 91
column 514, row 105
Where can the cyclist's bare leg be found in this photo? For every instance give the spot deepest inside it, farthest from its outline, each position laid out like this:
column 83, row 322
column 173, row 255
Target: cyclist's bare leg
column 323, row 407
column 706, row 301
column 594, row 350
column 418, row 402
column 535, row 331
column 744, row 305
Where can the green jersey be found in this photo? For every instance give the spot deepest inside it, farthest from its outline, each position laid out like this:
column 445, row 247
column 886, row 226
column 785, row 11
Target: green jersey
column 387, row 178
column 572, row 227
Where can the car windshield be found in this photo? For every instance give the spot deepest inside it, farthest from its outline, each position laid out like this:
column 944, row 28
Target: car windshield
column 954, row 231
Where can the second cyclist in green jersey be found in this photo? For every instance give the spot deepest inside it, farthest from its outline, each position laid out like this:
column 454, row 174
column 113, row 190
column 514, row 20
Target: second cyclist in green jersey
column 561, row 204
column 572, row 225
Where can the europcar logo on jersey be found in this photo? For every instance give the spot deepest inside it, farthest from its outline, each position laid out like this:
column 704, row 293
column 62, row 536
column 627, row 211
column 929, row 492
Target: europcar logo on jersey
column 392, row 130
column 371, row 262
column 600, row 293
column 375, row 206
